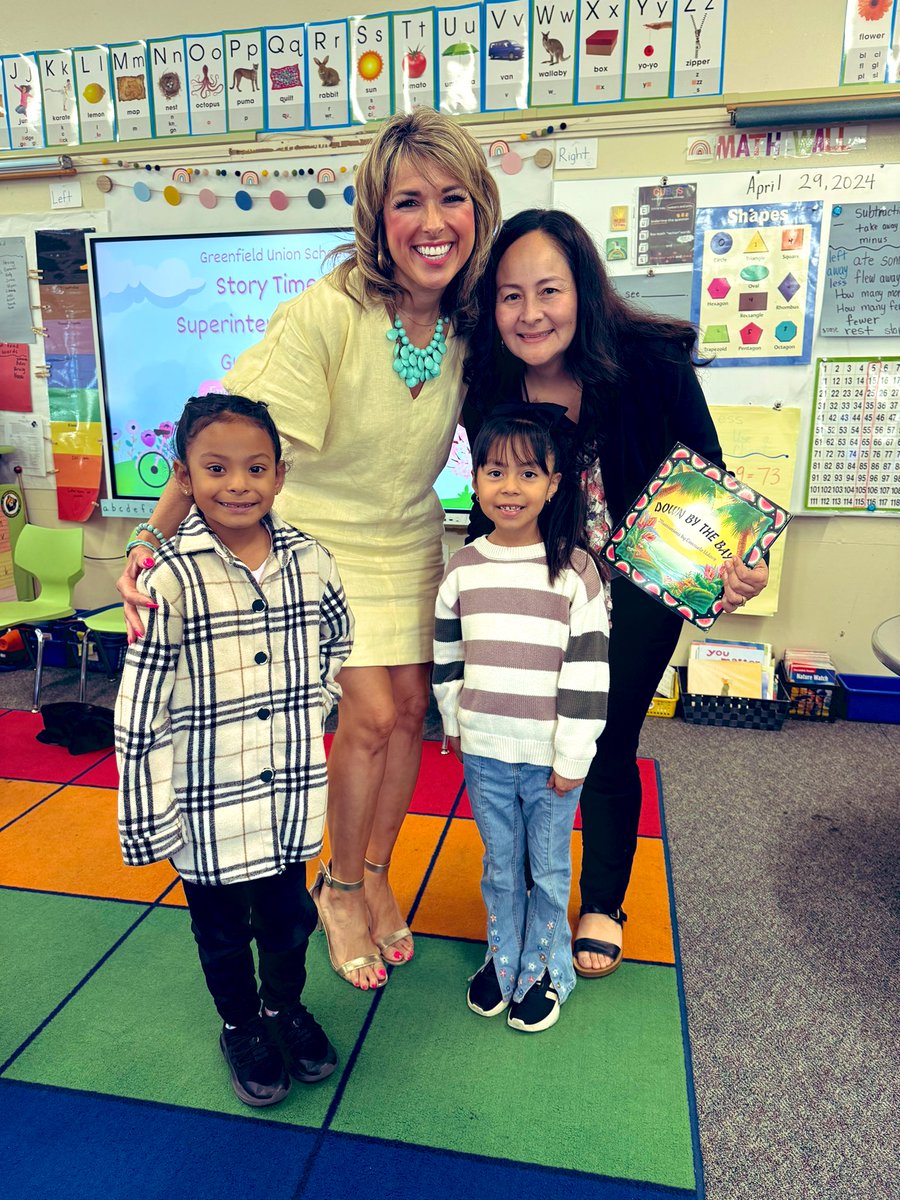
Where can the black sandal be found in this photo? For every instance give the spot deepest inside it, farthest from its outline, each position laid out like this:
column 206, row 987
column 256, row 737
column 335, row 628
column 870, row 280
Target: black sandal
column 593, row 946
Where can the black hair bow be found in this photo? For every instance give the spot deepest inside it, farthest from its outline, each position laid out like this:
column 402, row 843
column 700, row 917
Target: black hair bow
column 548, row 415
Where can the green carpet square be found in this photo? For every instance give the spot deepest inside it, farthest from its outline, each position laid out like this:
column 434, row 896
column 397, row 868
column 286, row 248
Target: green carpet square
column 47, row 945
column 145, row 1027
column 604, row 1091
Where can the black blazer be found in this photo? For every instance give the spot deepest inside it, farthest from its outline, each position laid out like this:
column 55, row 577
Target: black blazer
column 659, row 402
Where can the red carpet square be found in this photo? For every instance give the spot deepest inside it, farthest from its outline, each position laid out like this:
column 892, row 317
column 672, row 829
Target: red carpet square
column 22, row 756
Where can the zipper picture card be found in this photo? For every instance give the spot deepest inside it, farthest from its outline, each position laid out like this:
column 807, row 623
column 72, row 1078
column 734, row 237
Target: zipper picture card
column 23, row 102
column 327, row 59
column 171, row 100
column 699, row 52
column 285, row 78
column 415, row 74
column 370, row 67
column 58, row 92
column 554, row 29
column 601, row 51
column 648, row 53
column 506, row 55
column 244, row 68
column 134, row 117
column 459, row 59
column 94, row 94
column 206, row 82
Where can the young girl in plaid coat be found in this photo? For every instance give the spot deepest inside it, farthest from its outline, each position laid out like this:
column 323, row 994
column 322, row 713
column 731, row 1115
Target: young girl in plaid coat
column 219, row 724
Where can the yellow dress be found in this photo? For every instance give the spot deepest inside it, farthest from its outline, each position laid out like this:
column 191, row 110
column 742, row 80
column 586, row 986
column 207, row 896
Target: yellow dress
column 363, row 456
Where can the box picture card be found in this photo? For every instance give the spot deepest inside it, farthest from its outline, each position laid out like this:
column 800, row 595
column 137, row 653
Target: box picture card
column 601, row 52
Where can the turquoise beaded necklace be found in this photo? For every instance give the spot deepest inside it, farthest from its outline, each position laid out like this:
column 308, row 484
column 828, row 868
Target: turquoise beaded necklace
column 412, row 364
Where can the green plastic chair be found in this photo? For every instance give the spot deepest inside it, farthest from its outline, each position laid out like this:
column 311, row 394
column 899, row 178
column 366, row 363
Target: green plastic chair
column 55, row 557
column 105, row 626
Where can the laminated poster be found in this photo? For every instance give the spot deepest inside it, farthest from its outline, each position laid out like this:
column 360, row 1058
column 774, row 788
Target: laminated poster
column 244, row 50
column 327, row 55
column 370, row 68
column 690, row 519
column 415, row 74
column 285, row 72
column 206, row 83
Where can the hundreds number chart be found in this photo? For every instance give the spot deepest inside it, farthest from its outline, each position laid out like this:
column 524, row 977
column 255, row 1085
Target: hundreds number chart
column 854, row 453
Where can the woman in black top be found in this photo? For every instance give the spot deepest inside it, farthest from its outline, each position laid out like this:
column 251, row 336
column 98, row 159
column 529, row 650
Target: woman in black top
column 553, row 330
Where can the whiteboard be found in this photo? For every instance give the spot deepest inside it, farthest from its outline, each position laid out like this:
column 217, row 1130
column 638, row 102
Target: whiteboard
column 592, row 201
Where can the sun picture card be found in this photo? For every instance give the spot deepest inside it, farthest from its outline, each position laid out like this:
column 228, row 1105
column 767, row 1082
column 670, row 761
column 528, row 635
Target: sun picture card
column 371, row 96
column 688, row 521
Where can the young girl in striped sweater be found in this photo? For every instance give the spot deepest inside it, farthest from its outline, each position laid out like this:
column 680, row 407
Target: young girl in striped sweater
column 521, row 680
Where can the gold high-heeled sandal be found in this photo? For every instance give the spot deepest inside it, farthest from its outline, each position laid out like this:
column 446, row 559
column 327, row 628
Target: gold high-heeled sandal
column 344, row 970
column 384, row 944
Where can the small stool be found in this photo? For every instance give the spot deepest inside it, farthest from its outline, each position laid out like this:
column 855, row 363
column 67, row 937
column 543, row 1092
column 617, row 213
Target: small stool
column 109, row 622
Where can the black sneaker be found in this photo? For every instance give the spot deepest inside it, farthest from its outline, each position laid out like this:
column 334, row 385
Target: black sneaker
column 538, row 1010
column 307, row 1051
column 257, row 1068
column 484, row 995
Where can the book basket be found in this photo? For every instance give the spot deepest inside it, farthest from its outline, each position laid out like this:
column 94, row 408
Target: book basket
column 734, row 712
column 809, row 701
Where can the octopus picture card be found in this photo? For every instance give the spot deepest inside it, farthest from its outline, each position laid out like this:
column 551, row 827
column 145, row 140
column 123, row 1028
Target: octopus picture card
column 688, row 521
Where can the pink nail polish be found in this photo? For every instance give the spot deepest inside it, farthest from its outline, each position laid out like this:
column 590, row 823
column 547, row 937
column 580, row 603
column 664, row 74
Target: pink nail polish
column 397, row 954
column 382, row 974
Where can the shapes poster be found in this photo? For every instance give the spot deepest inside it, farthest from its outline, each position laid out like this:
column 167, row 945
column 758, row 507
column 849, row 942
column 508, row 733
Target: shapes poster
column 754, row 283
column 506, row 39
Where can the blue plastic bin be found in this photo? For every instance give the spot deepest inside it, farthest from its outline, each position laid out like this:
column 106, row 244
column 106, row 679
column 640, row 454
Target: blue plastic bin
column 871, row 698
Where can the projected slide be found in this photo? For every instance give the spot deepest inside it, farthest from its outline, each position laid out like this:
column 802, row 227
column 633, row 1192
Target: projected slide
column 173, row 313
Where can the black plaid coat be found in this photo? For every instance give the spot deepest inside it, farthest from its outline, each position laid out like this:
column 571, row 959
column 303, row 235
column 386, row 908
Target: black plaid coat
column 220, row 711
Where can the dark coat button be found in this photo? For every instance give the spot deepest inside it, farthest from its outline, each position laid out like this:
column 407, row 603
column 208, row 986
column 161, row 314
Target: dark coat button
column 261, row 658
column 258, row 605
column 267, row 776
column 263, row 714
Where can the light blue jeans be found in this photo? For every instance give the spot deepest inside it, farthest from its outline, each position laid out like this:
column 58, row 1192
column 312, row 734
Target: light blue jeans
column 527, row 932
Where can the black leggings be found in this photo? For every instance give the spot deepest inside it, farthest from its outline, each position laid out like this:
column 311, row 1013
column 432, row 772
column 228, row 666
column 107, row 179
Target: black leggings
column 642, row 641
column 279, row 915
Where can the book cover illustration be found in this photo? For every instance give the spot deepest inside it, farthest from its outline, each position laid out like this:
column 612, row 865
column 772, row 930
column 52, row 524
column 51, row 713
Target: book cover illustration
column 690, row 519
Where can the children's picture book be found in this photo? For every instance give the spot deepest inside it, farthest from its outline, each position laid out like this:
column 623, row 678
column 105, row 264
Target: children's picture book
column 688, row 521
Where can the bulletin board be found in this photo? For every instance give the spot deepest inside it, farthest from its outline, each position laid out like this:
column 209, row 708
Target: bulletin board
column 775, row 195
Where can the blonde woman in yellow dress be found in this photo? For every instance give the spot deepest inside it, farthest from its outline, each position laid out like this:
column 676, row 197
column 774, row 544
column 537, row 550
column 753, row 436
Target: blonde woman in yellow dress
column 363, row 376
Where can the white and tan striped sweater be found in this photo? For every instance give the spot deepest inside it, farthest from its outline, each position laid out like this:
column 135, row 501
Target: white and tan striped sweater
column 520, row 665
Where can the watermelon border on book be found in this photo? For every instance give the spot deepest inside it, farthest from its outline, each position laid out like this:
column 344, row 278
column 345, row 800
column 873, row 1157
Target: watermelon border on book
column 677, row 455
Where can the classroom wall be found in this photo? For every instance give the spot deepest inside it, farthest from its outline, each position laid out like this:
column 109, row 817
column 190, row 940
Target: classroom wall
column 841, row 574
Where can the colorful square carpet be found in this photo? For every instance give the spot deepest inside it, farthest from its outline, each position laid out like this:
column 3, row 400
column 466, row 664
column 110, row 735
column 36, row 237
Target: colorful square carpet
column 111, row 1080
